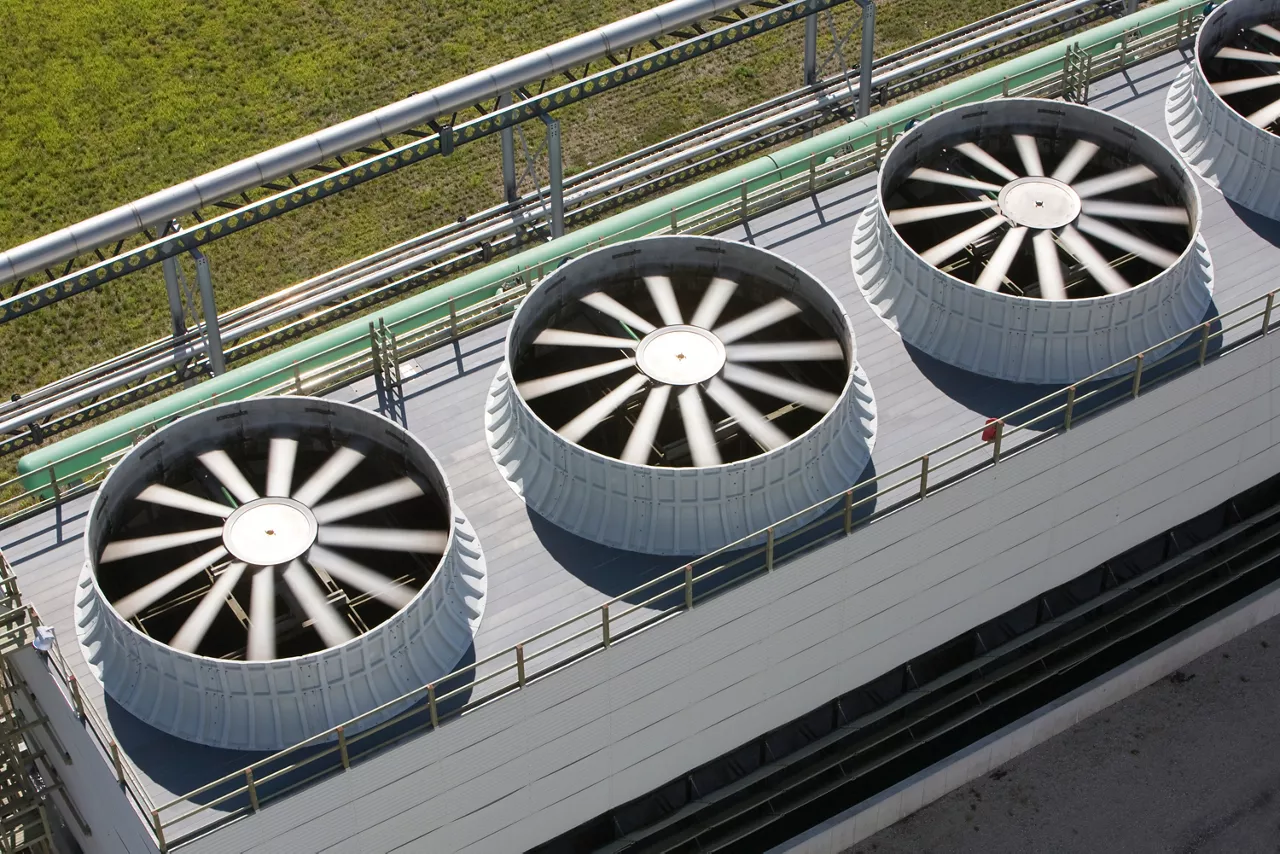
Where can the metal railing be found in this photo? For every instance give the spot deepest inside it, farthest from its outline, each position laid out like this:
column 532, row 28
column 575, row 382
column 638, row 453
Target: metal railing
column 680, row 589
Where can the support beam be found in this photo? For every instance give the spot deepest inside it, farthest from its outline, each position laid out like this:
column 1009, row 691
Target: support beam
column 555, row 170
column 868, row 59
column 177, row 313
column 811, row 49
column 212, row 335
column 508, row 154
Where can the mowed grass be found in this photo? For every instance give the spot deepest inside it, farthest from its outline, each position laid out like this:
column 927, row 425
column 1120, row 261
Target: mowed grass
column 104, row 101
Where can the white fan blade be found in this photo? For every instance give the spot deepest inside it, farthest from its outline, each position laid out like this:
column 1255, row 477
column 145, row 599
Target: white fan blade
column 640, row 442
column 952, row 245
column 664, row 297
column 1029, row 151
column 590, row 418
column 262, row 615
column 1268, row 31
column 785, row 351
column 1078, row 245
column 1268, row 114
column 697, row 428
column 992, row 275
column 280, row 460
column 533, row 389
column 167, row 496
column 1248, row 84
column 329, row 475
column 756, row 319
column 1048, row 266
column 361, row 577
column 384, row 539
column 1114, row 181
column 601, row 301
column 144, row 597
column 902, row 216
column 1144, row 213
column 229, row 475
column 748, row 417
column 1246, row 55
column 121, row 549
column 1144, row 249
column 569, row 338
column 783, row 389
column 197, row 624
column 328, row 623
column 980, row 156
column 1074, row 160
column 374, row 498
column 933, row 176
column 713, row 302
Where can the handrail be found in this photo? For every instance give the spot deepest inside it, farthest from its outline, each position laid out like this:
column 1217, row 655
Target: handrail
column 685, row 585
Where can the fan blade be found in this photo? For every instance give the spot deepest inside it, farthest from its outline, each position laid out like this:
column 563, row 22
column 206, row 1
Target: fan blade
column 664, row 297
column 533, row 389
column 902, row 216
column 748, row 417
column 1048, row 266
column 328, row 623
column 992, row 275
column 952, row 245
column 1144, row 249
column 1246, row 55
column 167, row 496
column 979, row 155
column 756, row 319
column 1029, row 151
column 197, row 624
column 229, row 475
column 1247, row 84
column 1078, row 245
column 786, row 351
column 697, row 428
column 1075, row 160
column 1144, row 213
column 713, row 302
column 262, row 615
column 590, row 418
column 280, row 460
column 374, row 498
column 933, row 176
column 601, row 301
column 384, row 539
column 569, row 338
column 1268, row 114
column 361, row 577
column 122, row 549
column 1114, row 181
column 640, row 442
column 1268, row 31
column 329, row 475
column 783, row 389
column 144, row 597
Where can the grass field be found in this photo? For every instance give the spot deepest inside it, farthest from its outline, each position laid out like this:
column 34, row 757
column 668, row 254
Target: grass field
column 107, row 100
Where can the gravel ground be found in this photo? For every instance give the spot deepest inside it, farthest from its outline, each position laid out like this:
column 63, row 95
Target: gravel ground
column 1191, row 764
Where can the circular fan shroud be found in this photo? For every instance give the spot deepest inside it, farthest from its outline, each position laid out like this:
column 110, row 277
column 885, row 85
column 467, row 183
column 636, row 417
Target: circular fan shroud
column 1212, row 130
column 660, row 454
column 345, row 500
column 1076, row 248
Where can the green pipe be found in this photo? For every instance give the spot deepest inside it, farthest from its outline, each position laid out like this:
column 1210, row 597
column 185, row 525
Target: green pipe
column 83, row 449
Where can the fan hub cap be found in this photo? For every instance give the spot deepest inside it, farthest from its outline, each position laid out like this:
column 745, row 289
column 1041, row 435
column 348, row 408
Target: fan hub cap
column 269, row 531
column 1039, row 202
column 680, row 355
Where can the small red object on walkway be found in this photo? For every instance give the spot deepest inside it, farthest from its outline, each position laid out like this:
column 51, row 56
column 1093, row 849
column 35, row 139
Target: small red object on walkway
column 989, row 433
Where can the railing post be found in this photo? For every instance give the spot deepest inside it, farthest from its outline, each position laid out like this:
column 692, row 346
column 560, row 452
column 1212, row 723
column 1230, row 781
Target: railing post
column 848, row 511
column 924, row 475
column 1204, row 342
column 53, row 483
column 995, row 449
column 297, row 379
column 115, row 761
column 1266, row 314
column 768, row 550
column 813, row 174
column 342, row 748
column 453, row 319
column 688, row 586
column 675, row 222
column 431, row 706
column 76, row 702
column 252, row 787
column 604, row 623
column 1071, row 405
column 1004, row 87
column 742, row 189
column 157, row 826
column 1137, row 374
column 520, row 665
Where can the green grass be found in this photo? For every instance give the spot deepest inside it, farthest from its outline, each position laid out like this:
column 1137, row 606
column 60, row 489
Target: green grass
column 107, row 100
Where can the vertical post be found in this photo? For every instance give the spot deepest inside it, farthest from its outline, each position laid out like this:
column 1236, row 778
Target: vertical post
column 1124, row 48
column 1130, row 6
column 157, row 826
column 742, row 191
column 53, row 483
column 813, row 174
column 520, row 664
column 252, row 787
column 604, row 623
column 1004, row 88
column 555, row 168
column 212, row 335
column 868, row 57
column 811, row 49
column 1204, row 342
column 924, row 475
column 177, row 313
column 688, row 586
column 115, row 761
column 453, row 319
column 999, row 437
column 768, row 550
column 848, row 511
column 1137, row 374
column 675, row 222
column 1071, row 405
column 508, row 152
column 297, row 379
column 1266, row 313
column 342, row 748
column 76, row 702
column 431, row 706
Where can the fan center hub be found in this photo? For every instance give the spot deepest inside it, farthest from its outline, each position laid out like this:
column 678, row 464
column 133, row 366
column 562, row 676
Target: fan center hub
column 1039, row 202
column 269, row 531
column 680, row 355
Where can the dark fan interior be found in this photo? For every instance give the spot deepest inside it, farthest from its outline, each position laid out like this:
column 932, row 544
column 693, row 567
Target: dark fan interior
column 226, row 638
column 1244, row 69
column 1022, row 278
column 671, row 447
